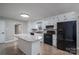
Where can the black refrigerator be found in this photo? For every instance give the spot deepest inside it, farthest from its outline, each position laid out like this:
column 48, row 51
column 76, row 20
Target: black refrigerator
column 66, row 36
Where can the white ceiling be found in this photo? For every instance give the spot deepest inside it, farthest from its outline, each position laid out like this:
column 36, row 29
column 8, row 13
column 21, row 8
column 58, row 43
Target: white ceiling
column 35, row 10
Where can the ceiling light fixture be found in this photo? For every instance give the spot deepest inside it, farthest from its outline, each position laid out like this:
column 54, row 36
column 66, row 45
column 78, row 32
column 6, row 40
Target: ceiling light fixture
column 25, row 15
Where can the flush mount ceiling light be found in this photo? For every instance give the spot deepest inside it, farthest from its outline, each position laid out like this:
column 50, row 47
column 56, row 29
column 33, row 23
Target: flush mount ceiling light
column 25, row 15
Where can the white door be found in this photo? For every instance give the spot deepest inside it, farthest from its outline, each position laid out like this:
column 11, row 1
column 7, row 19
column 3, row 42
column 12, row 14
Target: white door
column 2, row 31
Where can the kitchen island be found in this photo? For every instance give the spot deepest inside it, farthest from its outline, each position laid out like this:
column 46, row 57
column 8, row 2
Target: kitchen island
column 29, row 44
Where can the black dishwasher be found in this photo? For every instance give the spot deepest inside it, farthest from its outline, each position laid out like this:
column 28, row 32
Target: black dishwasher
column 48, row 38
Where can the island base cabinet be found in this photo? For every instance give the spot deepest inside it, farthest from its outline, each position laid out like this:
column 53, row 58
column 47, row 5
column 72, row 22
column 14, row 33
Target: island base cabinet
column 29, row 47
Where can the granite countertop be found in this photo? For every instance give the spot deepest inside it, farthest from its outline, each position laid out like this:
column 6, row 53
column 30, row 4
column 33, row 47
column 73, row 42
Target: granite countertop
column 30, row 38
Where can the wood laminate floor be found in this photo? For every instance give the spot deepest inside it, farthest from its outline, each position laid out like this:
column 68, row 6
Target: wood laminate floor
column 11, row 49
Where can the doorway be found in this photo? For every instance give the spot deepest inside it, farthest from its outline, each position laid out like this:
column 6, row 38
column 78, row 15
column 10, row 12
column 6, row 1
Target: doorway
column 18, row 29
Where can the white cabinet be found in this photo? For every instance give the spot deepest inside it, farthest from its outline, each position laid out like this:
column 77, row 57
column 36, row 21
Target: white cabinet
column 29, row 47
column 54, row 40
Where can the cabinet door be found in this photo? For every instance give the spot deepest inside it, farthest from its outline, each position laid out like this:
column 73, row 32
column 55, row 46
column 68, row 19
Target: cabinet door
column 54, row 40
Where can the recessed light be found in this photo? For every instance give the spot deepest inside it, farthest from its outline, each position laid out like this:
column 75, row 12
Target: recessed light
column 25, row 15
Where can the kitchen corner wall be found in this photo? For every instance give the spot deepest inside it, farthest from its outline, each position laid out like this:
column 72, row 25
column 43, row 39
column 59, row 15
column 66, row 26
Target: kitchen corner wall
column 10, row 27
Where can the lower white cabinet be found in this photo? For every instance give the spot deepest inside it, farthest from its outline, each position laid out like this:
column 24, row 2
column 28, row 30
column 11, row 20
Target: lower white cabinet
column 54, row 40
column 29, row 47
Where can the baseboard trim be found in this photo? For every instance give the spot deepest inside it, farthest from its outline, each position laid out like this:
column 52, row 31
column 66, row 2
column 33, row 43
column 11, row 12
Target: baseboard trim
column 10, row 41
column 1, row 42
